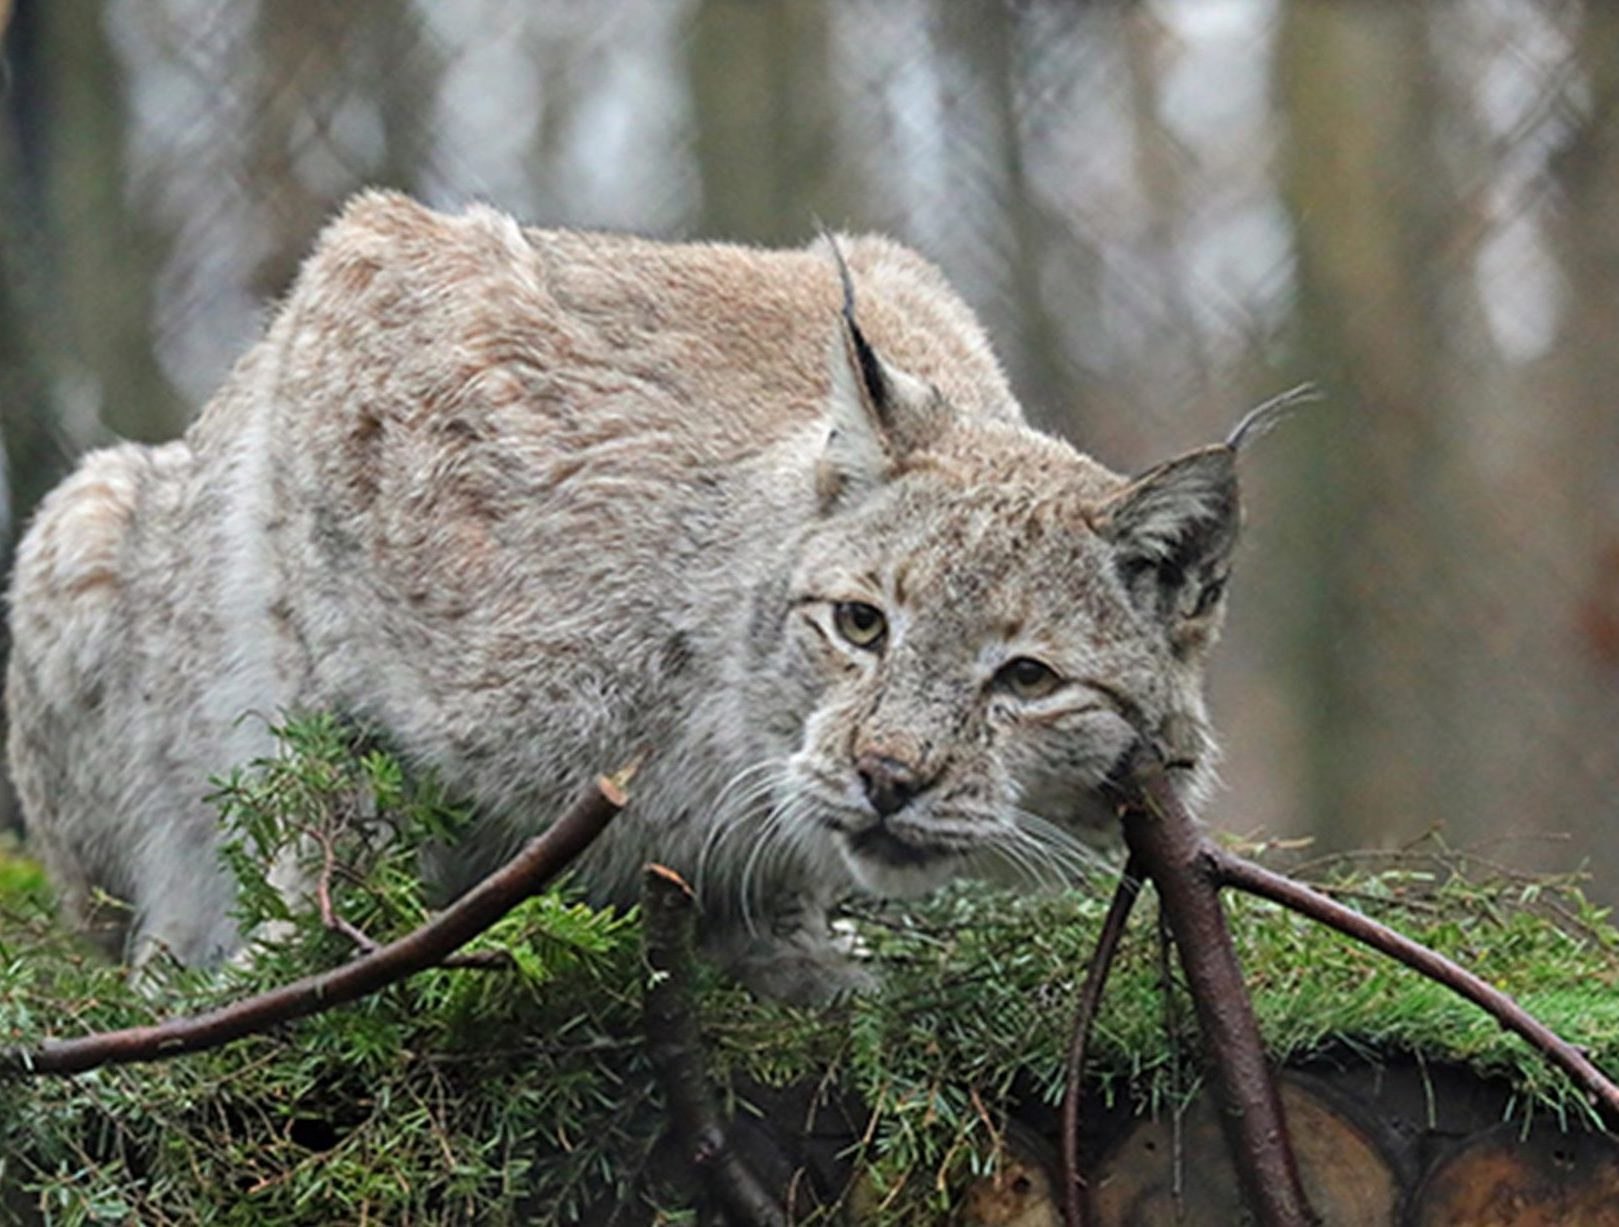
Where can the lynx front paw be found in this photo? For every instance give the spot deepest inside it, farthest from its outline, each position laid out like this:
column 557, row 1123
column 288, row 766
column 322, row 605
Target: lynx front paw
column 814, row 964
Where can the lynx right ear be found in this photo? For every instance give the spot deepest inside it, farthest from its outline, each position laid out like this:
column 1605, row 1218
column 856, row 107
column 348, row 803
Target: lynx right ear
column 876, row 412
column 1180, row 514
column 1173, row 529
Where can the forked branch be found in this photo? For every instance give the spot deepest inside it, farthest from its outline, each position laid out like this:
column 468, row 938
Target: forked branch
column 1188, row 869
column 1173, row 852
column 1227, row 869
column 539, row 861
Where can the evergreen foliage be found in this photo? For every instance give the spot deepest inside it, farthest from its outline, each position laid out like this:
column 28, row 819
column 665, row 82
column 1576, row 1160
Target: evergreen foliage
column 522, row 1093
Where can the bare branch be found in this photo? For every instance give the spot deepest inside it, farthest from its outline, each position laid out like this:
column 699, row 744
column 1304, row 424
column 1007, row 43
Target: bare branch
column 1240, row 874
column 540, row 860
column 1090, row 996
column 675, row 1045
column 1188, row 870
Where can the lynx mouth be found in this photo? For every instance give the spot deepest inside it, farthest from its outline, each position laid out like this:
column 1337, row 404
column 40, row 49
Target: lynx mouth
column 880, row 844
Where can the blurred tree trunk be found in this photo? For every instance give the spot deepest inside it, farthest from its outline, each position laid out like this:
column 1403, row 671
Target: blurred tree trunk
column 1364, row 190
column 1582, row 495
column 1176, row 373
column 36, row 455
column 314, row 60
column 104, row 261
column 997, row 251
column 405, row 69
column 761, row 99
column 305, row 73
column 52, row 322
column 30, row 457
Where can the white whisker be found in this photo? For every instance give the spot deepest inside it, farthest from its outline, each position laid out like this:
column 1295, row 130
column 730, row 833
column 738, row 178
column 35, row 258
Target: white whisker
column 731, row 818
column 780, row 819
column 1047, row 853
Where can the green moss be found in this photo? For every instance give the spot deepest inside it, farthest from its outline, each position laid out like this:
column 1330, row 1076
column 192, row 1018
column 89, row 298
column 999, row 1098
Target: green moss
column 477, row 1096
column 21, row 879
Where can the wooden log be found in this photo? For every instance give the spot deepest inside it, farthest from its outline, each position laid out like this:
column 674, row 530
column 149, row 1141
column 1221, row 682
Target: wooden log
column 1348, row 1180
column 1548, row 1179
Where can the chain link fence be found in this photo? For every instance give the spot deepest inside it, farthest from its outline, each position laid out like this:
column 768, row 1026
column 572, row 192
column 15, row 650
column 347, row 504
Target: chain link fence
column 1163, row 211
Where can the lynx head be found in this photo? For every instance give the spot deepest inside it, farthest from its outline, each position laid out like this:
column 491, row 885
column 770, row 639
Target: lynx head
column 991, row 619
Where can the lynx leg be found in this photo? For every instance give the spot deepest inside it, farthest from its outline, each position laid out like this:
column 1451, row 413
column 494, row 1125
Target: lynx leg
column 68, row 642
column 799, row 956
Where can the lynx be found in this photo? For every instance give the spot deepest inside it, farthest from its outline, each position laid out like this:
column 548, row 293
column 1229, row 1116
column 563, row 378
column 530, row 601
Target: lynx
column 536, row 503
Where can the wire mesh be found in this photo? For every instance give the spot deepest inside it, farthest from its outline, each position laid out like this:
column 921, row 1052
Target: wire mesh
column 1163, row 211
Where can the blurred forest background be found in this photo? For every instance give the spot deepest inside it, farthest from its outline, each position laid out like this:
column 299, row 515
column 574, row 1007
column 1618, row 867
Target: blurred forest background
column 1164, row 212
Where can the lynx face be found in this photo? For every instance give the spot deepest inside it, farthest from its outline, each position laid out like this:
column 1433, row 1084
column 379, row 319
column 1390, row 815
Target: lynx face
column 993, row 621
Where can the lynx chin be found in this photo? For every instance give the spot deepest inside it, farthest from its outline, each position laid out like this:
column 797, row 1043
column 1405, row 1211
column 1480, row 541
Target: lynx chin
column 534, row 503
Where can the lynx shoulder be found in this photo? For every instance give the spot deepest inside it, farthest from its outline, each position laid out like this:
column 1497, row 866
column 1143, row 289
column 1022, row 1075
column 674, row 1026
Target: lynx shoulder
column 533, row 503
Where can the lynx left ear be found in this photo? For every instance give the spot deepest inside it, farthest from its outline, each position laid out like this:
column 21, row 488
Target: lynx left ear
column 876, row 413
column 860, row 446
column 1174, row 528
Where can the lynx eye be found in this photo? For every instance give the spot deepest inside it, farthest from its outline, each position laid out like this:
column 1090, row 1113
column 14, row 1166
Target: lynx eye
column 1208, row 598
column 861, row 624
column 1027, row 678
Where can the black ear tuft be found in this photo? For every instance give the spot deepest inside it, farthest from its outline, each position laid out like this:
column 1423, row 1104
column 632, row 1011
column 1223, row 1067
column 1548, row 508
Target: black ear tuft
column 873, row 380
column 878, row 393
column 1262, row 419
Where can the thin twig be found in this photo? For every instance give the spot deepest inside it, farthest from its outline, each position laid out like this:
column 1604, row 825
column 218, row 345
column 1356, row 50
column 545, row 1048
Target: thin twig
column 1172, row 1034
column 1240, row 874
column 540, row 860
column 675, row 1046
column 329, row 915
column 336, row 922
column 1090, row 996
column 1424, row 906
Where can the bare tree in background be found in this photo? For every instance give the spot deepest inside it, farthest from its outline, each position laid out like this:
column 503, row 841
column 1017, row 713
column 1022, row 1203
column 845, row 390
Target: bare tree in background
column 1368, row 584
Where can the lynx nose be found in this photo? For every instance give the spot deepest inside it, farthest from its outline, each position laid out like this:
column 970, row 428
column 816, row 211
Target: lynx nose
column 890, row 784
